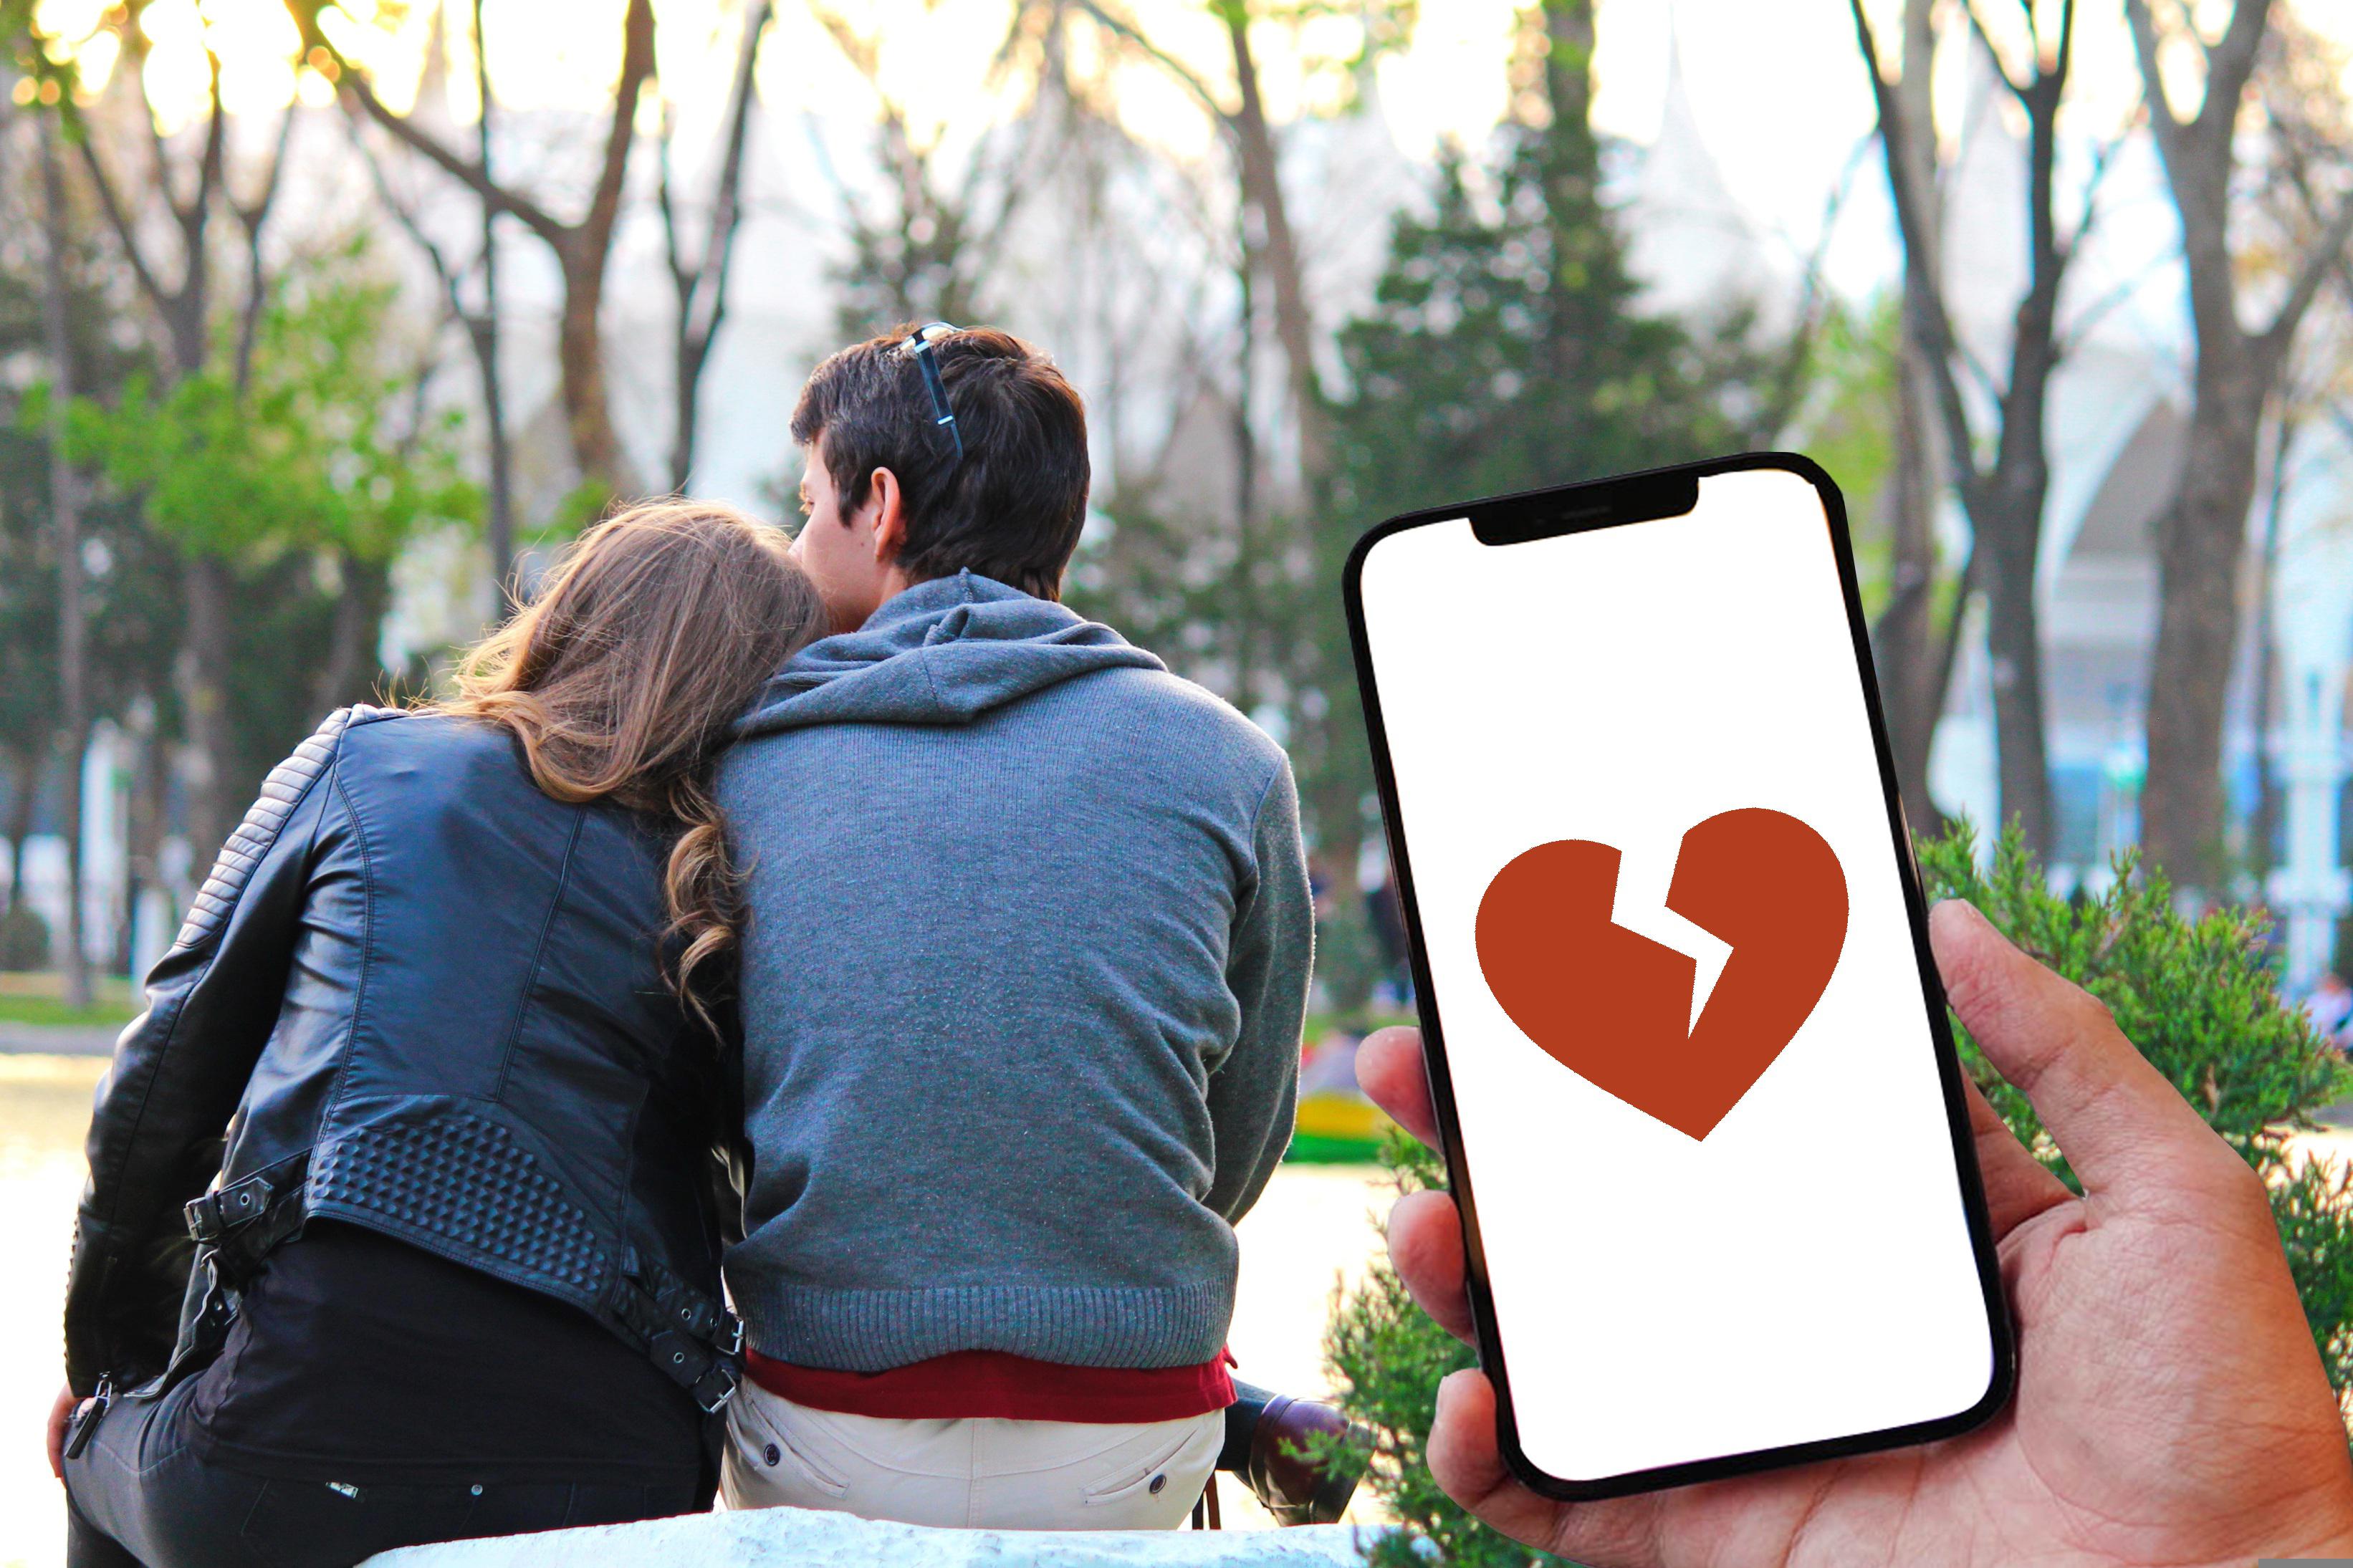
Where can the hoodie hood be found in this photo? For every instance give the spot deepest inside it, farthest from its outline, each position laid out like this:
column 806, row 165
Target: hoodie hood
column 944, row 652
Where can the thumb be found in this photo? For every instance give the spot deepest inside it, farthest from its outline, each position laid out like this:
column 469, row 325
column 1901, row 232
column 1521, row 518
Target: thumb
column 2118, row 1120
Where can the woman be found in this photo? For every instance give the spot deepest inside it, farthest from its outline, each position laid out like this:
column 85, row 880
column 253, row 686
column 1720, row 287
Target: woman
column 448, row 995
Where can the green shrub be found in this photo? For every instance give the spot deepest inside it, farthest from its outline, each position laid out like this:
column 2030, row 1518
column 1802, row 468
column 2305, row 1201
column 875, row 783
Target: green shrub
column 2197, row 994
column 24, row 940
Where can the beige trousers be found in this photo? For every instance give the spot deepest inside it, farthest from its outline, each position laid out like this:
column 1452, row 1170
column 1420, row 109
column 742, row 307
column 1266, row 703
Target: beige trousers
column 971, row 1474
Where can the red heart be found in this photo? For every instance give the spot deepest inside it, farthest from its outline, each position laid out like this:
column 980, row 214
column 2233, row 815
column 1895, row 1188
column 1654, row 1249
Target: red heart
column 1614, row 1007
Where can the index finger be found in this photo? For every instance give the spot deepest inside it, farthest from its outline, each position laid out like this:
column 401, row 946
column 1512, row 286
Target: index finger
column 1391, row 1069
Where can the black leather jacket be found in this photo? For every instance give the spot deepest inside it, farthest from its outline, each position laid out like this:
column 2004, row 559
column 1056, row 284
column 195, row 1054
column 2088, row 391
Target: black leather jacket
column 417, row 995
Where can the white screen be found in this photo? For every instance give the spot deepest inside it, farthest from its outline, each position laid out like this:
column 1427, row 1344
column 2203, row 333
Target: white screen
column 1803, row 1270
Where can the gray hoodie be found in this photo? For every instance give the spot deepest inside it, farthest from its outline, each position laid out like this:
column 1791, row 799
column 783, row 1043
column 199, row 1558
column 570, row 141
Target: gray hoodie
column 1023, row 981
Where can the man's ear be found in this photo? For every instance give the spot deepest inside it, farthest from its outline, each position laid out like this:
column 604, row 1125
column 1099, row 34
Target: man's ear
column 882, row 494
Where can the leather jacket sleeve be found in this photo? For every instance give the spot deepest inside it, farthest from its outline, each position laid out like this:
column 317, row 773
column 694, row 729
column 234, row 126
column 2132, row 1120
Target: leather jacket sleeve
column 179, row 1071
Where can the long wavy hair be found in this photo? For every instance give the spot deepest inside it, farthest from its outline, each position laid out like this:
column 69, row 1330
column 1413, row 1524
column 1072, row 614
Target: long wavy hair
column 655, row 629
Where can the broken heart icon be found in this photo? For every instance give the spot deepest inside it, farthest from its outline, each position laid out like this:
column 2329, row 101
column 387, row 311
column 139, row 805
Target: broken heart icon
column 1614, row 1007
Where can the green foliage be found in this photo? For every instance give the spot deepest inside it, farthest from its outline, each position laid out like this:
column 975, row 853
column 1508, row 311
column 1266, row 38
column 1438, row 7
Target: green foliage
column 1388, row 1359
column 1848, row 421
column 301, row 450
column 305, row 471
column 2199, row 998
column 2195, row 995
column 1504, row 350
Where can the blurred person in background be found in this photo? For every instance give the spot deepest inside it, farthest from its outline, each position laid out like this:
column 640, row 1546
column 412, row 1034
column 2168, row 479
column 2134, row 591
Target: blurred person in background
column 2329, row 1005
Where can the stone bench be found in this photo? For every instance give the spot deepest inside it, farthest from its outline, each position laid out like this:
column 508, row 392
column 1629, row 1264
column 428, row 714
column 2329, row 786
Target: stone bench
column 803, row 1538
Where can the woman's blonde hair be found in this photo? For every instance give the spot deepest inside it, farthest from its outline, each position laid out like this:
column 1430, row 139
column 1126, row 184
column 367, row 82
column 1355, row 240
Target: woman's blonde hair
column 655, row 630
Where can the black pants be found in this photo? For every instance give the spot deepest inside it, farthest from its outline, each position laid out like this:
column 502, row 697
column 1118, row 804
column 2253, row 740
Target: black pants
column 139, row 1492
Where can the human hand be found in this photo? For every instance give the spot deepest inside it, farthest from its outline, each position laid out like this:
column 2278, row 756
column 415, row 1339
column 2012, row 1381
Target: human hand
column 61, row 1414
column 2170, row 1406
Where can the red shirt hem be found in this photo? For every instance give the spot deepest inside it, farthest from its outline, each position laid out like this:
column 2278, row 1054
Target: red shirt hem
column 970, row 1384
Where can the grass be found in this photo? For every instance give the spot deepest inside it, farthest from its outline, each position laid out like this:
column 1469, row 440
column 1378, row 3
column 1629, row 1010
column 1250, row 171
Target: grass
column 37, row 999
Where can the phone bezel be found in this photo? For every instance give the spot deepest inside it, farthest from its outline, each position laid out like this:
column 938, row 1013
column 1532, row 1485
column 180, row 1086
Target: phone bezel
column 1625, row 500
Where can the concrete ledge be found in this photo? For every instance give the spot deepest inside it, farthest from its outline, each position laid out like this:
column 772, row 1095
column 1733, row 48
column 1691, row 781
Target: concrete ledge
column 803, row 1538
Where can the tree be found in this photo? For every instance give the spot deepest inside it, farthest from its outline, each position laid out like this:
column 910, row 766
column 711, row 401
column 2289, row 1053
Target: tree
column 1271, row 249
column 308, row 473
column 181, row 299
column 1504, row 351
column 58, row 308
column 702, row 284
column 2202, row 531
column 581, row 249
column 2004, row 496
column 73, row 666
column 922, row 248
column 1915, row 653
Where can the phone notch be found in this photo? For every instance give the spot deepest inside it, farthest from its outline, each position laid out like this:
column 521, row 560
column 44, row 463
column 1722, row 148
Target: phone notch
column 1638, row 498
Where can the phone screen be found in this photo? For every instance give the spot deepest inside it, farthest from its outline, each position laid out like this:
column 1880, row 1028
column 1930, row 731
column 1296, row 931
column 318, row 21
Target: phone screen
column 1639, row 805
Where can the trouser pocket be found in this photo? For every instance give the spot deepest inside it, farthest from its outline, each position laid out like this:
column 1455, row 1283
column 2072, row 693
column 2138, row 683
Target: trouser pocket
column 770, row 1452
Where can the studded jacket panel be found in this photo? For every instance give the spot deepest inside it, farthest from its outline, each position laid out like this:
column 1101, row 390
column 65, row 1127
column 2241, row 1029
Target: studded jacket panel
column 421, row 996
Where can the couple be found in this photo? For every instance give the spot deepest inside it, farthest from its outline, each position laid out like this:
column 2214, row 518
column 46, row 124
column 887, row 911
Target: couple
column 946, row 973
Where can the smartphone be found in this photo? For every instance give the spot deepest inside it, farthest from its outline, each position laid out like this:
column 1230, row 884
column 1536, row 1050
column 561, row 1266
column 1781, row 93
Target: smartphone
column 1702, row 1111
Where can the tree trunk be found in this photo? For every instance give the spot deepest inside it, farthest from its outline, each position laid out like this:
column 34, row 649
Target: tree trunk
column 24, row 783
column 149, row 792
column 2201, row 547
column 2007, row 530
column 1572, row 171
column 350, row 660
column 580, row 354
column 484, row 334
column 73, row 960
column 1294, row 323
column 1904, row 638
column 2263, row 825
column 205, row 699
column 1901, row 640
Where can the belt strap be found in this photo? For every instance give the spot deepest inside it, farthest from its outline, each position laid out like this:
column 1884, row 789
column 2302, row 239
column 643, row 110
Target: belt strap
column 243, row 1222
column 212, row 1216
column 696, row 1342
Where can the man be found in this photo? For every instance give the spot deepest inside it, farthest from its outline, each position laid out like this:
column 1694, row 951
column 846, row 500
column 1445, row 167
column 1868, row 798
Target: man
column 1024, row 970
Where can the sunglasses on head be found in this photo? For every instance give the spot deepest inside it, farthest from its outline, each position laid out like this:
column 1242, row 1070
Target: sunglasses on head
column 918, row 346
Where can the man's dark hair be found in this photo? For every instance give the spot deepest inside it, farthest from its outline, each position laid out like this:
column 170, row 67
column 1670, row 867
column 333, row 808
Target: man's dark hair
column 1012, row 508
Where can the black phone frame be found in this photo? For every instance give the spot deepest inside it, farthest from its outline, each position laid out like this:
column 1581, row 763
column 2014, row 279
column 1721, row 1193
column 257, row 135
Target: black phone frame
column 1651, row 495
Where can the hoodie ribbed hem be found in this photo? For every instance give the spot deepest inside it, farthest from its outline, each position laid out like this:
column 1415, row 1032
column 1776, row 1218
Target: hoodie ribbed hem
column 874, row 1330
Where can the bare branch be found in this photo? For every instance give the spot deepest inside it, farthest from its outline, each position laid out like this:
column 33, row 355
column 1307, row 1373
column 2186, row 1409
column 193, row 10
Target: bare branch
column 596, row 230
column 405, row 216
column 2325, row 257
column 531, row 215
column 2230, row 61
column 2090, row 316
column 2170, row 131
column 251, row 218
column 1185, row 76
column 1976, row 25
column 254, row 214
column 119, row 220
column 1931, row 319
column 2103, row 159
column 727, row 205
